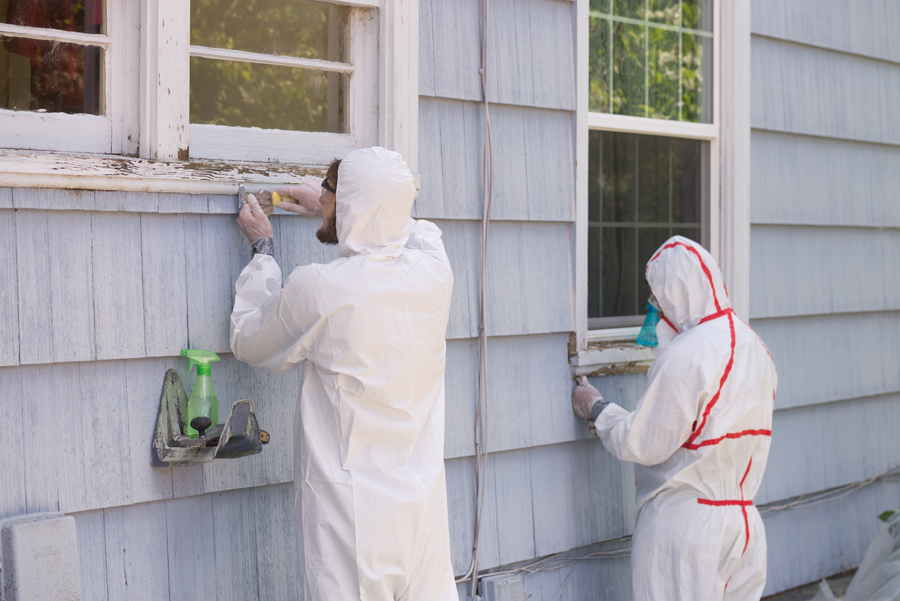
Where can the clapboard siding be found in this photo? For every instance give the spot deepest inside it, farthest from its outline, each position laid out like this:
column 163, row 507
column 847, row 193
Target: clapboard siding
column 9, row 290
column 818, row 270
column 523, row 398
column 833, row 357
column 807, row 544
column 236, row 546
column 540, row 501
column 825, row 446
column 530, row 55
column 92, row 424
column 533, row 162
column 805, row 180
column 866, row 27
column 110, row 294
column 805, row 90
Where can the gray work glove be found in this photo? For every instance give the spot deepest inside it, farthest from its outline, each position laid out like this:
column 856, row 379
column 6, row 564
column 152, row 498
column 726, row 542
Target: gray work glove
column 587, row 402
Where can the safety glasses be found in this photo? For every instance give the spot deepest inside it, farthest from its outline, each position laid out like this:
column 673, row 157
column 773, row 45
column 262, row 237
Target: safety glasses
column 327, row 186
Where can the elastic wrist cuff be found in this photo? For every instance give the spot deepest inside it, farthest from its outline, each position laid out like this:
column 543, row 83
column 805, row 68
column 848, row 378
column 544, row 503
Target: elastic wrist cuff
column 597, row 408
column 264, row 246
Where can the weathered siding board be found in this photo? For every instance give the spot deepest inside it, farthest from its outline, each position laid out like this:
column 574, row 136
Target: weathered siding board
column 137, row 561
column 141, row 202
column 808, row 544
column 579, row 494
column 13, row 401
column 118, row 286
column 815, row 270
column 814, row 181
column 163, row 251
column 236, row 575
column 221, row 253
column 237, row 545
column 804, row 457
column 91, row 538
column 531, row 55
column 52, row 199
column 9, row 290
column 525, row 259
column 143, row 387
column 191, row 544
column 276, row 548
column 33, row 262
column 805, row 90
column 533, row 153
column 184, row 203
column 537, row 364
column 71, row 303
column 833, row 357
column 598, row 579
column 867, row 28
column 6, row 201
column 96, row 451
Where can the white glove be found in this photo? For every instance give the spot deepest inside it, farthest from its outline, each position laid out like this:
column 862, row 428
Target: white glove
column 583, row 399
column 302, row 199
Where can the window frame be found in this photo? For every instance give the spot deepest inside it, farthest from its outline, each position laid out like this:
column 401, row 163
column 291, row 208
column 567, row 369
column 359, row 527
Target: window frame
column 110, row 133
column 728, row 137
column 148, row 111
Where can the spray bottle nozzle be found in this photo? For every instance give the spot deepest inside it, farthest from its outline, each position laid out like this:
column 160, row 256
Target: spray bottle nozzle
column 201, row 359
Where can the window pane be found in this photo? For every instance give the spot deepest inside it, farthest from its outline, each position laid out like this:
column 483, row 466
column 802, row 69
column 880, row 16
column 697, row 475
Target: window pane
column 664, row 11
column 265, row 96
column 600, row 6
column 696, row 78
column 628, row 69
column 643, row 189
column 283, row 27
column 658, row 62
column 69, row 15
column 635, row 9
column 698, row 14
column 663, row 74
column 598, row 98
column 45, row 76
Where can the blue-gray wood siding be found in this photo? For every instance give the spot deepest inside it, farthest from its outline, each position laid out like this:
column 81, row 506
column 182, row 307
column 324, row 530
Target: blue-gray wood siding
column 99, row 291
column 825, row 192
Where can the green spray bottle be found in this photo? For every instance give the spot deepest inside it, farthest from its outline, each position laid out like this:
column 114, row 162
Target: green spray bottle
column 203, row 401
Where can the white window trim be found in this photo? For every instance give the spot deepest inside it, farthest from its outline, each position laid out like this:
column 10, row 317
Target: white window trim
column 107, row 133
column 729, row 138
column 394, row 86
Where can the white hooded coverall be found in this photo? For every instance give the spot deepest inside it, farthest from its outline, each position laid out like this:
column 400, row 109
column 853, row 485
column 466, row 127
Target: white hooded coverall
column 699, row 439
column 370, row 492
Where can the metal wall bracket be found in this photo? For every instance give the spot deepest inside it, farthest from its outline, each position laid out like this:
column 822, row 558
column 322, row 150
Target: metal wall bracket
column 239, row 436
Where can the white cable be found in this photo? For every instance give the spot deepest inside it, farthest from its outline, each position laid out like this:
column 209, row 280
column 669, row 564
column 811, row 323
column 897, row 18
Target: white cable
column 481, row 408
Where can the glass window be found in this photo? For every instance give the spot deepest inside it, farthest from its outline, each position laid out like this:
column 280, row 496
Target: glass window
column 652, row 58
column 252, row 92
column 51, row 75
column 642, row 189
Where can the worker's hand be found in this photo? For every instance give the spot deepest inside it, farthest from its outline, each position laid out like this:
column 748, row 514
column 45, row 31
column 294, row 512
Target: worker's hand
column 306, row 199
column 583, row 398
column 253, row 221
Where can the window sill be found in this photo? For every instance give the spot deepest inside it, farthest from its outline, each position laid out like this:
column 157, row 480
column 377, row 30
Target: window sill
column 34, row 169
column 613, row 356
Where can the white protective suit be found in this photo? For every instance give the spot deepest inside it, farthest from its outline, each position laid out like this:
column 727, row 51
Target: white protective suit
column 371, row 498
column 699, row 438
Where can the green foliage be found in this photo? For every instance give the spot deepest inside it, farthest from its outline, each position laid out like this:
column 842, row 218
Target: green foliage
column 885, row 516
column 270, row 97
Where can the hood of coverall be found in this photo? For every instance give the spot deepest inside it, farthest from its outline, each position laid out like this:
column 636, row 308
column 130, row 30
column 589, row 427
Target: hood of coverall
column 375, row 194
column 687, row 282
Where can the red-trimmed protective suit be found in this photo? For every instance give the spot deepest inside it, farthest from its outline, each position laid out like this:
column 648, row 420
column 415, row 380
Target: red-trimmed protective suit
column 699, row 438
